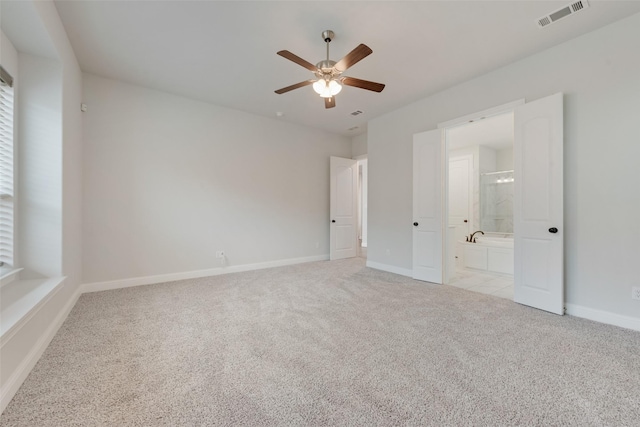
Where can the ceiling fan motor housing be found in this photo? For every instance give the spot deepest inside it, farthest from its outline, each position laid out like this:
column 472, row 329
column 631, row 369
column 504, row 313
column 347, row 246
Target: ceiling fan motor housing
column 326, row 70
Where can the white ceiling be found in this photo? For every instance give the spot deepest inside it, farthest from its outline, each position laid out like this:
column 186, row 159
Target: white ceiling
column 224, row 52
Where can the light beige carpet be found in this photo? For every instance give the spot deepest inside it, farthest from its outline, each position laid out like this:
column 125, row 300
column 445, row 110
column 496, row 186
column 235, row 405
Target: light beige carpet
column 326, row 343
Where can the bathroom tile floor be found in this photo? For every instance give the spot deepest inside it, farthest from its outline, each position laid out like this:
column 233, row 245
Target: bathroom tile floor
column 486, row 283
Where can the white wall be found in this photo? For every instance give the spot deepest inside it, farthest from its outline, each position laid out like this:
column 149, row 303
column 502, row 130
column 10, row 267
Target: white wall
column 599, row 74
column 358, row 145
column 504, row 159
column 169, row 181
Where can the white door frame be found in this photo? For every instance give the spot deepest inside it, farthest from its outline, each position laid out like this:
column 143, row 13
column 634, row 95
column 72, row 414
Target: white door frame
column 445, row 126
column 362, row 196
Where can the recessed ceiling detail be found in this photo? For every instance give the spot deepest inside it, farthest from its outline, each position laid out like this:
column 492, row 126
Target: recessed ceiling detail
column 562, row 13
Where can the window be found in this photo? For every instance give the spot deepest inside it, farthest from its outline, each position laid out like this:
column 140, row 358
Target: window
column 6, row 171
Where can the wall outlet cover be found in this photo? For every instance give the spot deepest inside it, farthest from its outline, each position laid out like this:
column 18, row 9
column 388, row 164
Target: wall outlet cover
column 635, row 292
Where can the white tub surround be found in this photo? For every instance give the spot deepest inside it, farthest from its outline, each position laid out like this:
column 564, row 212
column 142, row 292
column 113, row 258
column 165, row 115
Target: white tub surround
column 489, row 253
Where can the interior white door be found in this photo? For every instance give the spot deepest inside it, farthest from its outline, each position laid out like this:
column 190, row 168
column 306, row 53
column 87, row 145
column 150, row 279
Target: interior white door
column 538, row 209
column 427, row 206
column 343, row 234
column 460, row 200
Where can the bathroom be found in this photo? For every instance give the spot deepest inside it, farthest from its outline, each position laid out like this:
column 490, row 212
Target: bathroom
column 480, row 205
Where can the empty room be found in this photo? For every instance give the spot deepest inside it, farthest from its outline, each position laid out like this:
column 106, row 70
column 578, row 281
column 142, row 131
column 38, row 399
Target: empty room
column 319, row 213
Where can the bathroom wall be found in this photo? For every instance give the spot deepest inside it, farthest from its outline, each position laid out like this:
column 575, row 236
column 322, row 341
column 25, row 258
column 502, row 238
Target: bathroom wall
column 504, row 159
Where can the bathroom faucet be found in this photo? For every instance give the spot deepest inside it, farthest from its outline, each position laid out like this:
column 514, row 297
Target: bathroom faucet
column 472, row 239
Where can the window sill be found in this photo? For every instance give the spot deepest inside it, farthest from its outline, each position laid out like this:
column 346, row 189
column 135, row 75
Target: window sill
column 20, row 301
column 8, row 275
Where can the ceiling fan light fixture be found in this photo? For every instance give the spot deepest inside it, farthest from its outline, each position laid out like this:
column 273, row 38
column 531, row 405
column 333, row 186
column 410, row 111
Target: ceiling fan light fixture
column 329, row 73
column 334, row 87
column 326, row 89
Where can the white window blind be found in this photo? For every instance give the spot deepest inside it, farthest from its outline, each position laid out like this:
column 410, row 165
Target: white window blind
column 6, row 170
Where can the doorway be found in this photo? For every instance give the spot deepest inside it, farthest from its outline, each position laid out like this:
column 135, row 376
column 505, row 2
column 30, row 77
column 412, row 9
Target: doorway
column 479, row 206
column 348, row 207
column 538, row 242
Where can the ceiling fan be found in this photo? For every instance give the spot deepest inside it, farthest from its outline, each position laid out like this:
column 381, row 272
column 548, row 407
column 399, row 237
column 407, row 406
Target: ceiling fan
column 329, row 79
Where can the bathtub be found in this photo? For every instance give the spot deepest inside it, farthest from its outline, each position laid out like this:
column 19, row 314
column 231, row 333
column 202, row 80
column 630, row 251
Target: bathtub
column 489, row 253
column 497, row 242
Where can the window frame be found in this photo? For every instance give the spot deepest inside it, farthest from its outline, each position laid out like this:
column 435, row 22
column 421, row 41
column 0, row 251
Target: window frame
column 7, row 174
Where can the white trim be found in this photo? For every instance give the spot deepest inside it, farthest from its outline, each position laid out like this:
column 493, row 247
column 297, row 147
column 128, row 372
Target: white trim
column 504, row 108
column 162, row 278
column 9, row 276
column 13, row 383
column 25, row 314
column 602, row 316
column 390, row 268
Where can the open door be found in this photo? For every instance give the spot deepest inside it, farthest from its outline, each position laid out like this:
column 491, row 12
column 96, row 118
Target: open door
column 343, row 236
column 427, row 206
column 538, row 209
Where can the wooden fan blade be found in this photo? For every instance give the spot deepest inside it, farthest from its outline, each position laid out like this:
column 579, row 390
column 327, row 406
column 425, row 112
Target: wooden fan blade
column 330, row 102
column 356, row 55
column 362, row 84
column 295, row 58
column 295, row 86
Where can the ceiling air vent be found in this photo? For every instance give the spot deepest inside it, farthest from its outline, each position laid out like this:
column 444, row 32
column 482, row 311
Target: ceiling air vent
column 355, row 113
column 562, row 13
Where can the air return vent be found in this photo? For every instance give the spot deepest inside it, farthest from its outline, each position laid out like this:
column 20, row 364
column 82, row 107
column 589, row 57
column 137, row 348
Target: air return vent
column 562, row 13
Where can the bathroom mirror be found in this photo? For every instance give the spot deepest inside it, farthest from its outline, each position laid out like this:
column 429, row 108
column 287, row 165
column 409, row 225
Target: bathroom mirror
column 496, row 201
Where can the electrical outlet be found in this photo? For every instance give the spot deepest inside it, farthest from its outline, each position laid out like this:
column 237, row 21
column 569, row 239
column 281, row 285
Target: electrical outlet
column 635, row 292
column 219, row 254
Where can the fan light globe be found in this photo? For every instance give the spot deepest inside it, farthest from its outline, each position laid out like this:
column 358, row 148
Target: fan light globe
column 334, row 87
column 327, row 89
column 319, row 86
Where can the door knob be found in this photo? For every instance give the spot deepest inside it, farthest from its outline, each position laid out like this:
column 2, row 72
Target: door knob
column 466, row 220
column 553, row 230
column 415, row 224
column 333, row 220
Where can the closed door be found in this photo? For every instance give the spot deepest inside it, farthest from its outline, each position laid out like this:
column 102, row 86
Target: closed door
column 343, row 209
column 538, row 204
column 460, row 201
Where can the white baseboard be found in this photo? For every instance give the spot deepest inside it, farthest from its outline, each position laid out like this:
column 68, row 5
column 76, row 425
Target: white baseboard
column 390, row 268
column 162, row 278
column 11, row 386
column 604, row 317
